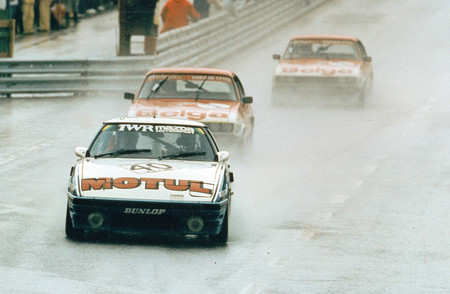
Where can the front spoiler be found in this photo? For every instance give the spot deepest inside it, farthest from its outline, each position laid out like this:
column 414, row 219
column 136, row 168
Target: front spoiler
column 161, row 217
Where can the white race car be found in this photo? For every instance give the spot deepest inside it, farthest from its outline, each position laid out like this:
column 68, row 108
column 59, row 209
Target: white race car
column 154, row 175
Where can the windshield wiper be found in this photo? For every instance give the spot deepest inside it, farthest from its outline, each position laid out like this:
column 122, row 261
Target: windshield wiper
column 156, row 87
column 324, row 48
column 123, row 151
column 200, row 88
column 182, row 154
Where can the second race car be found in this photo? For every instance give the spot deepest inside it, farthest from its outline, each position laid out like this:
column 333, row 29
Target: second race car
column 212, row 96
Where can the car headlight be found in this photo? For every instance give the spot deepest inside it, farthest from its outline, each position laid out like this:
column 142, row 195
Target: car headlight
column 221, row 127
column 72, row 186
column 214, row 127
column 286, row 79
column 227, row 128
column 222, row 194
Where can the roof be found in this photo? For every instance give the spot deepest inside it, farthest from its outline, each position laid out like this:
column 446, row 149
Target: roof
column 191, row 70
column 326, row 37
column 157, row 120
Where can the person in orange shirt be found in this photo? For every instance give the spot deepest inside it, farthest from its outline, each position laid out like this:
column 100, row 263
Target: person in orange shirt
column 176, row 14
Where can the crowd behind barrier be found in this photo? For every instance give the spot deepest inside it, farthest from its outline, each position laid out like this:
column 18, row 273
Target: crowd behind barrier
column 36, row 16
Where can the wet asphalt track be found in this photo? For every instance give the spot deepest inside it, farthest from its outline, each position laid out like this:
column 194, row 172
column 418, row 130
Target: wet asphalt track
column 328, row 199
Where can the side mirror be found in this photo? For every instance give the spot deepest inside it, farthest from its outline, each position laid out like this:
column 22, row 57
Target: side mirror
column 223, row 156
column 247, row 99
column 128, row 96
column 80, row 151
column 367, row 59
column 276, row 57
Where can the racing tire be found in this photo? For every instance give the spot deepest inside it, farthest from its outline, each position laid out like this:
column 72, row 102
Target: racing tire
column 249, row 139
column 71, row 232
column 246, row 141
column 364, row 94
column 222, row 237
column 360, row 100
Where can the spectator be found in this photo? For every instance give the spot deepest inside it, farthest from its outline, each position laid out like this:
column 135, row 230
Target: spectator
column 15, row 7
column 203, row 6
column 72, row 7
column 12, row 6
column 44, row 15
column 82, row 8
column 58, row 19
column 28, row 16
column 176, row 13
column 151, row 36
column 155, row 27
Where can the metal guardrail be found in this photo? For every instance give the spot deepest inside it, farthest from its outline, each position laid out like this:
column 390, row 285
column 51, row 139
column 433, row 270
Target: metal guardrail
column 71, row 76
column 199, row 44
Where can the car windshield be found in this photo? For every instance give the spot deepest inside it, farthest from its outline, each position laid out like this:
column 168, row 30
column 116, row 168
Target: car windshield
column 322, row 49
column 152, row 141
column 188, row 86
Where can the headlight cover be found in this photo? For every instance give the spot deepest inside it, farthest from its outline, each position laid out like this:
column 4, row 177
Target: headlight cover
column 222, row 194
column 72, row 186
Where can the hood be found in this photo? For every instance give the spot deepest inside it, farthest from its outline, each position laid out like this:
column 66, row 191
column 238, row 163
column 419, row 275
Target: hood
column 318, row 67
column 142, row 179
column 201, row 110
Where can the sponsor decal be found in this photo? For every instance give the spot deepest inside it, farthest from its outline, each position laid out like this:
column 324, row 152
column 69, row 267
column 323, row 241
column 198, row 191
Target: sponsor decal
column 155, row 128
column 192, row 115
column 326, row 71
column 289, row 69
column 148, row 211
column 176, row 196
column 148, row 183
column 174, row 129
column 200, row 78
column 146, row 168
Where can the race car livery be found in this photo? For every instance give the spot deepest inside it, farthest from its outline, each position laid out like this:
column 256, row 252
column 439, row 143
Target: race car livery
column 324, row 64
column 152, row 175
column 212, row 96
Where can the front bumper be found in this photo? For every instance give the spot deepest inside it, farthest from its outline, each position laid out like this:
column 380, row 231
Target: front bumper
column 349, row 85
column 161, row 217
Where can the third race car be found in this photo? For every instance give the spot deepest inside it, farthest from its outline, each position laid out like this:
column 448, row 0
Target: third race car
column 323, row 65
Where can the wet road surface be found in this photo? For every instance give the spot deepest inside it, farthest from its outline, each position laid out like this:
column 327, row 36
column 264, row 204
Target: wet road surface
column 328, row 199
